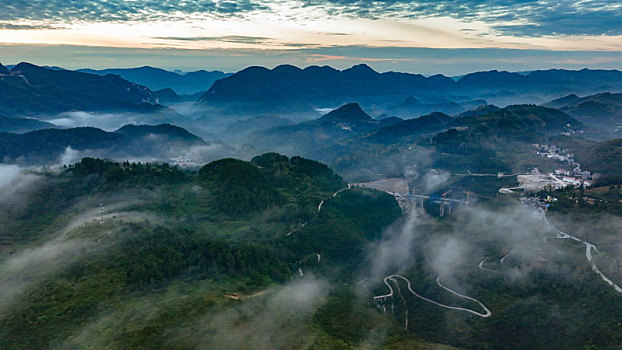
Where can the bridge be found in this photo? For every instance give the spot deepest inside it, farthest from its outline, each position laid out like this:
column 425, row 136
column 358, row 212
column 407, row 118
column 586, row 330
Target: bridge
column 444, row 203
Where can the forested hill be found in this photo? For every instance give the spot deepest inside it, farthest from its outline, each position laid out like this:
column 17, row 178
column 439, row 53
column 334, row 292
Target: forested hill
column 121, row 235
column 28, row 89
column 47, row 146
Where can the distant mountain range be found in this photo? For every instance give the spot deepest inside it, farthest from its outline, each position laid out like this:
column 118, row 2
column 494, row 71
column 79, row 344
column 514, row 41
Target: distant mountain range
column 487, row 139
column 350, row 121
column 430, row 123
column 46, row 146
column 28, row 89
column 602, row 112
column 4, row 70
column 347, row 121
column 157, row 79
column 286, row 91
column 264, row 101
column 290, row 90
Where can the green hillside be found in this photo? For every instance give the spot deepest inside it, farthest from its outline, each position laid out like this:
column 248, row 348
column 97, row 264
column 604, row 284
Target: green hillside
column 186, row 244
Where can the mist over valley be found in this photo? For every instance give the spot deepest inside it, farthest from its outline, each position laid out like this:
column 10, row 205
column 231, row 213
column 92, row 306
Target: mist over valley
column 279, row 175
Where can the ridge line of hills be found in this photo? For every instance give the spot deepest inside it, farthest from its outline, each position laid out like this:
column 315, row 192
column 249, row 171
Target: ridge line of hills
column 47, row 146
column 285, row 90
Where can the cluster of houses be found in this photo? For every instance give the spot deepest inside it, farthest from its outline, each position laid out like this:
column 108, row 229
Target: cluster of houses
column 554, row 152
column 576, row 176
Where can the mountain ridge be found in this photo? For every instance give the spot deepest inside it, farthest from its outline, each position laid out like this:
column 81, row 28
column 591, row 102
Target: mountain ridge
column 46, row 146
column 30, row 90
column 158, row 78
column 256, row 89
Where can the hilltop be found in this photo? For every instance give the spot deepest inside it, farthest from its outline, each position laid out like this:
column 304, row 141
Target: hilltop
column 186, row 83
column 31, row 90
column 46, row 146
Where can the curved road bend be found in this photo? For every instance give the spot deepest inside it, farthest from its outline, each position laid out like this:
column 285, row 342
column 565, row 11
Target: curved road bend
column 588, row 251
column 481, row 266
column 438, row 281
column 319, row 208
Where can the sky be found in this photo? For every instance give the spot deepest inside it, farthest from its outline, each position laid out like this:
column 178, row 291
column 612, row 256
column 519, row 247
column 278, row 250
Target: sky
column 430, row 36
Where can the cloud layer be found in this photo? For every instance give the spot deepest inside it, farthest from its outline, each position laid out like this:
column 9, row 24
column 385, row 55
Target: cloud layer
column 119, row 10
column 518, row 18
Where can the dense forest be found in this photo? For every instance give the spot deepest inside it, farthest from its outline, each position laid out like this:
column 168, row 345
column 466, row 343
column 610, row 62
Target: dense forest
column 132, row 231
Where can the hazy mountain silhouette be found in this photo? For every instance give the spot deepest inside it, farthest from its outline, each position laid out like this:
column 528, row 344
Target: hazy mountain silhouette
column 30, row 90
column 158, row 79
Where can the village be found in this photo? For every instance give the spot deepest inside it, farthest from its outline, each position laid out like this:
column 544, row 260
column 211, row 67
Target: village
column 570, row 174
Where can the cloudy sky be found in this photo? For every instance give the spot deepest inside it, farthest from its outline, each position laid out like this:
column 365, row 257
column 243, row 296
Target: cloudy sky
column 428, row 36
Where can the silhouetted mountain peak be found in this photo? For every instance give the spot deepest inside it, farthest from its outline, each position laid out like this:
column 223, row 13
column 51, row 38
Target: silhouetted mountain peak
column 492, row 77
column 350, row 112
column 481, row 110
column 158, row 78
column 318, row 69
column 439, row 79
column 437, row 115
column 39, row 90
column 386, row 121
column 25, row 67
column 565, row 101
column 430, row 123
column 360, row 69
column 410, row 101
column 253, row 70
column 286, row 68
column 168, row 93
column 525, row 117
column 4, row 70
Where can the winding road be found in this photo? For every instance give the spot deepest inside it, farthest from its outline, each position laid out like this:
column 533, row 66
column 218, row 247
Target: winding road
column 341, row 190
column 588, row 250
column 319, row 208
column 393, row 278
column 481, row 266
column 501, row 260
column 588, row 256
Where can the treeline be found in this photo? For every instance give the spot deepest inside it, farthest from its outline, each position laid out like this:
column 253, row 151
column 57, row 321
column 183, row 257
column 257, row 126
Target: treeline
column 130, row 173
column 461, row 149
column 301, row 182
column 239, row 186
column 158, row 255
